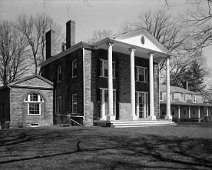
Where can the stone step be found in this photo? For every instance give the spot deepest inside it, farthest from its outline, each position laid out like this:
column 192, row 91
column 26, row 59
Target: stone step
column 126, row 124
column 135, row 126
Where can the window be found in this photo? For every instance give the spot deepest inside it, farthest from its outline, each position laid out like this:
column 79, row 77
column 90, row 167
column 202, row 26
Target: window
column 172, row 97
column 104, row 68
column 172, row 112
column 194, row 99
column 161, row 96
column 59, row 74
column 34, row 102
column 74, row 103
column 74, row 68
column 141, row 74
column 59, row 104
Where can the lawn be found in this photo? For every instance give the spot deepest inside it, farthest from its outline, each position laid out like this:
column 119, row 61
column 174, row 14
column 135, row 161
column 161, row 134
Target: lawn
column 170, row 147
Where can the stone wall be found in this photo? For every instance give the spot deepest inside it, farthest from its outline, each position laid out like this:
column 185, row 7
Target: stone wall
column 19, row 109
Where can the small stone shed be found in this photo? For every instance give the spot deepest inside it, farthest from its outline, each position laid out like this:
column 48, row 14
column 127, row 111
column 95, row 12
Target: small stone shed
column 27, row 102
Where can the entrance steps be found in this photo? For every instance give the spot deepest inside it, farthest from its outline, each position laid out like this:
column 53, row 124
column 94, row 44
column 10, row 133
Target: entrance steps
column 135, row 123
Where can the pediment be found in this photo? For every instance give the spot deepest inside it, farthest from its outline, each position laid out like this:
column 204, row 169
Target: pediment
column 142, row 38
column 33, row 82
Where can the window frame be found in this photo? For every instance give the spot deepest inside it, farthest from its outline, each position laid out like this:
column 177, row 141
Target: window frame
column 39, row 101
column 102, row 68
column 59, row 73
column 194, row 99
column 146, row 74
column 73, row 68
column 74, row 103
column 161, row 96
column 58, row 106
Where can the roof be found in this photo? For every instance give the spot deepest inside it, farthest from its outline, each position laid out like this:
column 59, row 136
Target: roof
column 30, row 77
column 174, row 89
column 116, row 39
column 64, row 53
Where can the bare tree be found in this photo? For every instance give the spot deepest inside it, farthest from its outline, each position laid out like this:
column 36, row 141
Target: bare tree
column 34, row 28
column 166, row 29
column 200, row 19
column 99, row 35
column 174, row 34
column 12, row 53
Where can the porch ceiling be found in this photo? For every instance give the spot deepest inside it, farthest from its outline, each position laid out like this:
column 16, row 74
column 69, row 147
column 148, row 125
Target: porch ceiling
column 124, row 48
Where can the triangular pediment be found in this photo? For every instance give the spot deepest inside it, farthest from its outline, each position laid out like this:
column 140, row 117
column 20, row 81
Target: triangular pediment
column 34, row 81
column 141, row 38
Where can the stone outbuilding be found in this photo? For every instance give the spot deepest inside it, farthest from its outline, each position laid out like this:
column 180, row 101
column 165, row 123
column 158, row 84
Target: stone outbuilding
column 27, row 103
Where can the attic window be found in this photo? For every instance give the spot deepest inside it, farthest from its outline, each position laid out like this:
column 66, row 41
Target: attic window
column 142, row 39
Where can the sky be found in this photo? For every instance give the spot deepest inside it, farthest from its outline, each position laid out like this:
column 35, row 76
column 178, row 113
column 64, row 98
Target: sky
column 93, row 15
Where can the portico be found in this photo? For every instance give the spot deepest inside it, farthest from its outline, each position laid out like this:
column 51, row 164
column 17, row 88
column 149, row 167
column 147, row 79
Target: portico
column 142, row 103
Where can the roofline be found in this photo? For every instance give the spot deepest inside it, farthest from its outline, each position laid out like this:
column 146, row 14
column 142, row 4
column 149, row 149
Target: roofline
column 30, row 77
column 111, row 40
column 67, row 51
column 147, row 33
column 188, row 91
column 187, row 104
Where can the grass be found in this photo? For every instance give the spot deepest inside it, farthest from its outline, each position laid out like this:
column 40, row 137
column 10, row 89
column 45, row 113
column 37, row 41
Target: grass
column 170, row 147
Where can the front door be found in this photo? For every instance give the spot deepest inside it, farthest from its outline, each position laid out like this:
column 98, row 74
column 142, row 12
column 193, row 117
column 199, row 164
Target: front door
column 142, row 108
column 105, row 105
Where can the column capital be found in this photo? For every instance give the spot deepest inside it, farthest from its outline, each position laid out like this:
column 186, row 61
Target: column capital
column 132, row 49
column 110, row 44
column 151, row 53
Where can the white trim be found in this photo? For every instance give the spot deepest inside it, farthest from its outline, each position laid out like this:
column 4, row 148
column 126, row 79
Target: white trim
column 39, row 102
column 145, row 71
column 102, row 70
column 72, row 67
column 83, row 70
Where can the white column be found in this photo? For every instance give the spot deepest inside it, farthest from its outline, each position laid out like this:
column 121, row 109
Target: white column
column 151, row 87
column 198, row 112
column 189, row 112
column 207, row 111
column 103, row 105
column 132, row 82
column 168, row 105
column 178, row 112
column 110, row 116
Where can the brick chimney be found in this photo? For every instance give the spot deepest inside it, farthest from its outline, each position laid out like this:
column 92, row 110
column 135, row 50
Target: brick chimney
column 50, row 44
column 70, row 33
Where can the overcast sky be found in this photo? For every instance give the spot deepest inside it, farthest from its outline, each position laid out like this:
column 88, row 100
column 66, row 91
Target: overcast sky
column 91, row 15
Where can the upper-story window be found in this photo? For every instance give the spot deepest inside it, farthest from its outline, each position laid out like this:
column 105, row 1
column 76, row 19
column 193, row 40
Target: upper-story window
column 194, row 99
column 141, row 74
column 59, row 73
column 34, row 102
column 161, row 96
column 172, row 97
column 74, row 68
column 104, row 68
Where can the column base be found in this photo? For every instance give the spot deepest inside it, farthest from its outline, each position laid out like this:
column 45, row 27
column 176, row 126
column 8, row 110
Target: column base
column 111, row 117
column 152, row 117
column 168, row 117
column 134, row 117
column 103, row 118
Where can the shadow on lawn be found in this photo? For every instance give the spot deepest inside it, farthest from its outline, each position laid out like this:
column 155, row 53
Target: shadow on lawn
column 160, row 152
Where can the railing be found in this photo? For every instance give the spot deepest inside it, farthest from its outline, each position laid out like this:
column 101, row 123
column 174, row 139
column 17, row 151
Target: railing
column 70, row 119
